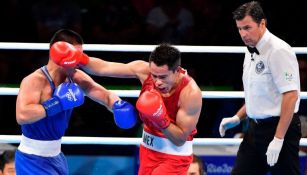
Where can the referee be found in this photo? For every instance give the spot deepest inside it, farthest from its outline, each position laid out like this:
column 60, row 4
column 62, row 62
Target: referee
column 272, row 86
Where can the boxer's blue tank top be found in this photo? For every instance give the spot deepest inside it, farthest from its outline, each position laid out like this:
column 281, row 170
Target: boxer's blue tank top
column 51, row 127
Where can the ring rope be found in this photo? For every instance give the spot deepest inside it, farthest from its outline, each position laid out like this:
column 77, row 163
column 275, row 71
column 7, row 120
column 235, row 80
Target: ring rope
column 138, row 48
column 135, row 93
column 74, row 140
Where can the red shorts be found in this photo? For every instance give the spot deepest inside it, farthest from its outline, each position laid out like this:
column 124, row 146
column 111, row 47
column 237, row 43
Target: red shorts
column 156, row 163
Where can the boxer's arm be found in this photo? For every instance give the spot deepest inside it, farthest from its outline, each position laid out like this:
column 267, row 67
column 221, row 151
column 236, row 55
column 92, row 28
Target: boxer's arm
column 125, row 115
column 28, row 107
column 95, row 91
column 99, row 67
column 187, row 116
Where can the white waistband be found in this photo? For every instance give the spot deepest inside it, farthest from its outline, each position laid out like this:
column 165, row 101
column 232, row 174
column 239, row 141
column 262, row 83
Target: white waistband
column 40, row 147
column 164, row 145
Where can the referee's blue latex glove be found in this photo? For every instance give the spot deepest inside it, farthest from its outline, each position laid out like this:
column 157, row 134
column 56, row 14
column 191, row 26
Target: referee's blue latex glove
column 274, row 150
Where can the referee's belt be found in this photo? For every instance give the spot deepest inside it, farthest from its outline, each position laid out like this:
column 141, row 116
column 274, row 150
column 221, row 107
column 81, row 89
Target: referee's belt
column 265, row 120
column 269, row 119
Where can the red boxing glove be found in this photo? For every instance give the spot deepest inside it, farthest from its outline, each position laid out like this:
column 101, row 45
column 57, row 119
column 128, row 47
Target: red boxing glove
column 65, row 54
column 152, row 108
column 84, row 59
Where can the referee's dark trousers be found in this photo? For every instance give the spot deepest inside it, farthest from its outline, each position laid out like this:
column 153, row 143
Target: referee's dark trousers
column 251, row 157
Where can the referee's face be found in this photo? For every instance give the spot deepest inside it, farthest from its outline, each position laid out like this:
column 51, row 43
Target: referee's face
column 250, row 31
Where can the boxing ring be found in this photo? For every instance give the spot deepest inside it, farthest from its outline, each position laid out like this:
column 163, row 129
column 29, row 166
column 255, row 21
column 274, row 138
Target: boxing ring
column 134, row 93
column 220, row 153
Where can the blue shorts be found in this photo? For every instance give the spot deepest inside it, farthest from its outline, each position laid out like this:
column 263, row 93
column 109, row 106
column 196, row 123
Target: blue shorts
column 29, row 164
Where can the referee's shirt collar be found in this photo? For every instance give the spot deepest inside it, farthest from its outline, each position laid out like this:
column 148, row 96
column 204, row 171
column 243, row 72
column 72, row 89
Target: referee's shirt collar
column 261, row 44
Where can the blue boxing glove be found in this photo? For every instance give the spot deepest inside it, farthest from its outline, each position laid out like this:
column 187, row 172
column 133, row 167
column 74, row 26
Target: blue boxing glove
column 125, row 115
column 65, row 96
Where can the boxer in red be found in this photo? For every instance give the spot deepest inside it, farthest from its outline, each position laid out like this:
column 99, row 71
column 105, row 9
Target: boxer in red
column 169, row 105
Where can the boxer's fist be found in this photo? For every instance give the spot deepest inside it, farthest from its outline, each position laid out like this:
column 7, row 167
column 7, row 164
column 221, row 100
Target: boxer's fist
column 125, row 115
column 65, row 54
column 84, row 59
column 66, row 96
column 152, row 108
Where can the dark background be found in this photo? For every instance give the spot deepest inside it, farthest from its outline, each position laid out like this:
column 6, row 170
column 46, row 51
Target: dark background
column 124, row 22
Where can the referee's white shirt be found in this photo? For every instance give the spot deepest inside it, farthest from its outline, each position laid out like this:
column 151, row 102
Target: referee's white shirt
column 267, row 75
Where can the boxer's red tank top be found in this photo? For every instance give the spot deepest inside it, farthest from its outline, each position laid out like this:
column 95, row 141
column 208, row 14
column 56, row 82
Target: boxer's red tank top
column 171, row 103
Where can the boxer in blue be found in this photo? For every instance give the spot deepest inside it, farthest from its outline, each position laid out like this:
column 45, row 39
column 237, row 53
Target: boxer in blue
column 44, row 105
